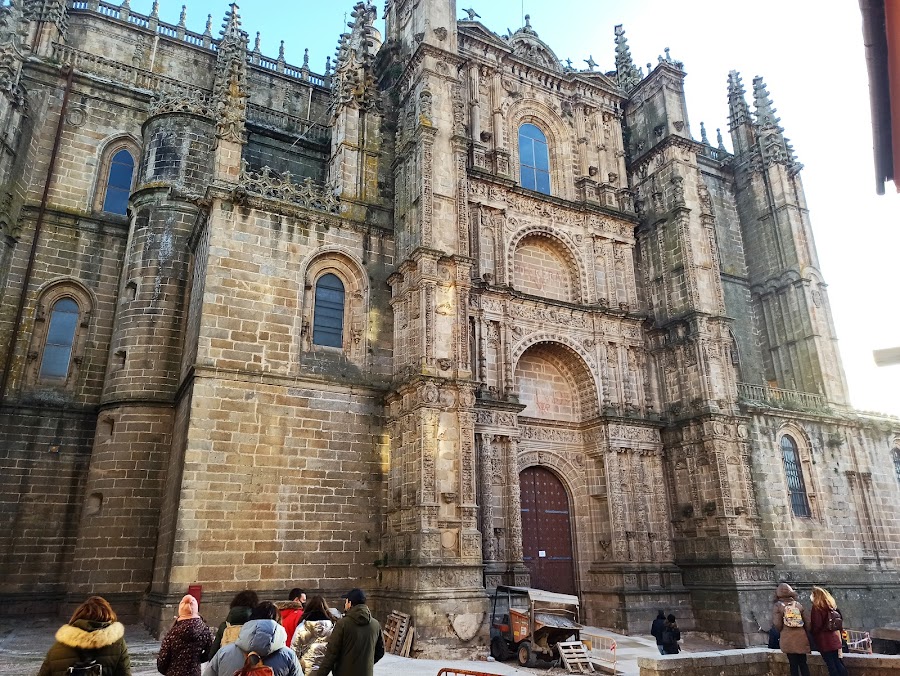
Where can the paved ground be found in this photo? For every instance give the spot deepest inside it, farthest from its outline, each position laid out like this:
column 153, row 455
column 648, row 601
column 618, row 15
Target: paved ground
column 23, row 645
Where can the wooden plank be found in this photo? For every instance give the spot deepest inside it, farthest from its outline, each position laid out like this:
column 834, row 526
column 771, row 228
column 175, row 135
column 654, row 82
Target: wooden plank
column 400, row 625
column 407, row 644
column 575, row 657
column 391, row 628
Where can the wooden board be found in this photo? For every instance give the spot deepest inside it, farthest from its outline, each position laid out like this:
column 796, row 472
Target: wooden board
column 395, row 630
column 407, row 644
column 575, row 657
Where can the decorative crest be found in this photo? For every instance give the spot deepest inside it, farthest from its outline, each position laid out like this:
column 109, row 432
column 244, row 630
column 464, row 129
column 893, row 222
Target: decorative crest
column 627, row 74
column 526, row 44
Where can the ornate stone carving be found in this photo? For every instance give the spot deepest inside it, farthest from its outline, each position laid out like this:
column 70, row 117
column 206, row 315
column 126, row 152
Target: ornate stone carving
column 230, row 89
column 188, row 101
column 270, row 185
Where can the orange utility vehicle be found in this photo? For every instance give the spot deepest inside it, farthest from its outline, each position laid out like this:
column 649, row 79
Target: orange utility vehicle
column 528, row 623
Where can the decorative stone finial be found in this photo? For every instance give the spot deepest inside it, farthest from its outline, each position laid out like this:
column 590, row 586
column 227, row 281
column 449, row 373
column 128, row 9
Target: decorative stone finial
column 591, row 64
column 472, row 14
column 154, row 13
column 719, row 139
column 739, row 112
column 627, row 75
column 230, row 89
column 306, row 58
column 256, row 43
column 703, row 137
column 208, row 31
column 182, row 21
column 281, row 51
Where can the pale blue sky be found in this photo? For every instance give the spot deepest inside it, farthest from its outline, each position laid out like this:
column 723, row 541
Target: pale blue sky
column 811, row 56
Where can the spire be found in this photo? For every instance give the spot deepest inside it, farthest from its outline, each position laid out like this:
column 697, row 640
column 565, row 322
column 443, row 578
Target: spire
column 627, row 74
column 738, row 112
column 775, row 145
column 229, row 92
column 703, row 138
column 353, row 81
column 13, row 52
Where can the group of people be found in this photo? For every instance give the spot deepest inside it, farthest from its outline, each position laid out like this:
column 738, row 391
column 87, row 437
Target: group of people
column 299, row 637
column 796, row 631
column 801, row 631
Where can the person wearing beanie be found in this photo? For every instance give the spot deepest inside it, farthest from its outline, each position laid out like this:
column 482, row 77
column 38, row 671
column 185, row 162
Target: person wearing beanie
column 186, row 644
column 791, row 619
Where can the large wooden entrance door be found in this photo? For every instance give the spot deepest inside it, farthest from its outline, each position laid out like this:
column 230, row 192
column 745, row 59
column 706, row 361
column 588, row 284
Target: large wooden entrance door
column 546, row 531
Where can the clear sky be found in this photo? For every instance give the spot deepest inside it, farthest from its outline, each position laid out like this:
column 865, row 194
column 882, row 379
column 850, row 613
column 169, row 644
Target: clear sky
column 811, row 56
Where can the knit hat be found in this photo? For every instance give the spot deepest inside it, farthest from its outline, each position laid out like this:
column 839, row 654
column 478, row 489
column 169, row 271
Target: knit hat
column 188, row 609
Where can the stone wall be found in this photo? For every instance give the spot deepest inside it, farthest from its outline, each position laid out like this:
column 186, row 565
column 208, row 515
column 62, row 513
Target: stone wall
column 760, row 662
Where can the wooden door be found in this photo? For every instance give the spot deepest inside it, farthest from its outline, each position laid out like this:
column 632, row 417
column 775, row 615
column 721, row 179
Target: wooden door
column 547, row 531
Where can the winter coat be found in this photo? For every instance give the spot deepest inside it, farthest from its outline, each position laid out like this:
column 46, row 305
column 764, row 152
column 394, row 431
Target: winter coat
column 656, row 629
column 291, row 614
column 184, row 648
column 826, row 641
column 310, row 642
column 264, row 637
column 87, row 640
column 355, row 645
column 671, row 635
column 793, row 639
column 237, row 615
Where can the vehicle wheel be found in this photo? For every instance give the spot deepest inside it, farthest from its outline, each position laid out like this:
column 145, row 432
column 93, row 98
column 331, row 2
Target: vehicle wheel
column 499, row 649
column 526, row 657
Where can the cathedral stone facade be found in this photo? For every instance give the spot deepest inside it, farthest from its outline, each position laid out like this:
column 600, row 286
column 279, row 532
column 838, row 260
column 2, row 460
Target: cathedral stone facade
column 451, row 315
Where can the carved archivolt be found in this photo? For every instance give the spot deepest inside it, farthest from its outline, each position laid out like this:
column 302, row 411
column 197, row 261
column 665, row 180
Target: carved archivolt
column 571, row 475
column 564, row 245
column 579, row 361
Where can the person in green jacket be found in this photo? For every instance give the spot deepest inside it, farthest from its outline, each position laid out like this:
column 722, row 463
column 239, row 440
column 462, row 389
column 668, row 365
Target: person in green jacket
column 93, row 635
column 355, row 644
column 238, row 613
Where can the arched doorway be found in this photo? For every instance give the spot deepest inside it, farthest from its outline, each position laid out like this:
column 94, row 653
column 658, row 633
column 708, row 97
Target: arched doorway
column 546, row 531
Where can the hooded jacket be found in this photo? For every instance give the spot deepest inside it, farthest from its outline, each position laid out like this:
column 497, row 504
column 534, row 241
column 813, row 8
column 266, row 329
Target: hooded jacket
column 264, row 637
column 291, row 614
column 88, row 640
column 310, row 642
column 793, row 639
column 355, row 645
column 184, row 648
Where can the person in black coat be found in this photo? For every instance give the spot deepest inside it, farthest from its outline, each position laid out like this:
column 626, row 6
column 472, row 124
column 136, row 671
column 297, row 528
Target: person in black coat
column 671, row 636
column 656, row 630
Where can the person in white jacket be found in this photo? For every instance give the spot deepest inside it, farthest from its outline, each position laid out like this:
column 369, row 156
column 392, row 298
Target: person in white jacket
column 311, row 636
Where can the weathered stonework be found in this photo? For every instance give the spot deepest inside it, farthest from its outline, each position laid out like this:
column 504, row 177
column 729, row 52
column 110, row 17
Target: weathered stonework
column 648, row 333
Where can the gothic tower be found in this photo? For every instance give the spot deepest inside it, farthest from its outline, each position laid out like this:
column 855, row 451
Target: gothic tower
column 798, row 341
column 707, row 447
column 432, row 544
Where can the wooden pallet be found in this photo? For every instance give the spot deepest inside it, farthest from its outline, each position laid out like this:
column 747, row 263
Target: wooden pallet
column 395, row 633
column 575, row 657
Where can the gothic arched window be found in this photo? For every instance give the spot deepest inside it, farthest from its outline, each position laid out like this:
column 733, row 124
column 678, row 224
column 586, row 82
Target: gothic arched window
column 793, row 470
column 328, row 314
column 896, row 453
column 118, row 183
column 534, row 159
column 57, row 355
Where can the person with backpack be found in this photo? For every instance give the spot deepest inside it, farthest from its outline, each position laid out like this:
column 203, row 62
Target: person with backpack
column 656, row 631
column 791, row 619
column 825, row 624
column 260, row 649
column 186, row 644
column 671, row 635
column 238, row 613
column 91, row 644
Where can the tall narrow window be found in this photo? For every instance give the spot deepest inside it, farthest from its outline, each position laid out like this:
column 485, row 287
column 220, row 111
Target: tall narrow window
column 60, row 338
column 896, row 453
column 794, row 473
column 534, row 159
column 118, row 185
column 328, row 317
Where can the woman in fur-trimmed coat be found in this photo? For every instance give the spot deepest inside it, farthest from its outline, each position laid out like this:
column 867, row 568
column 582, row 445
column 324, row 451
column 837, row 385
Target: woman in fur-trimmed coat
column 93, row 633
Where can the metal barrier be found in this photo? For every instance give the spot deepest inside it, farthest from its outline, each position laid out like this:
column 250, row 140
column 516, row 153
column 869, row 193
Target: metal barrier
column 858, row 641
column 450, row 671
column 602, row 649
